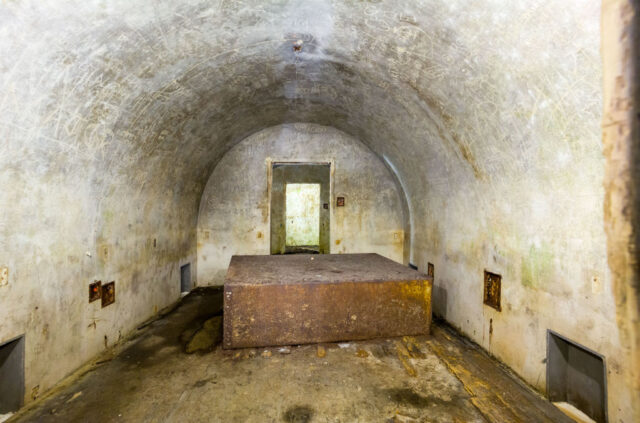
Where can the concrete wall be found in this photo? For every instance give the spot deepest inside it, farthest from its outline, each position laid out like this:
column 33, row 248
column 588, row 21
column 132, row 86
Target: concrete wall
column 621, row 140
column 113, row 115
column 66, row 221
column 533, row 210
column 235, row 206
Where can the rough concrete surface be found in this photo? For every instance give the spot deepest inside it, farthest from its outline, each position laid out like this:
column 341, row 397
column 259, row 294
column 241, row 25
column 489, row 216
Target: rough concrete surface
column 620, row 134
column 408, row 379
column 114, row 114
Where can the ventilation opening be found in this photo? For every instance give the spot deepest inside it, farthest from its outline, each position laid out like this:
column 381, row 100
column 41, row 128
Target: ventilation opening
column 185, row 278
column 576, row 375
column 11, row 376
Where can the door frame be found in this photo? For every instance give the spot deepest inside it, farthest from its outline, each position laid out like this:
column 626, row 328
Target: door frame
column 281, row 172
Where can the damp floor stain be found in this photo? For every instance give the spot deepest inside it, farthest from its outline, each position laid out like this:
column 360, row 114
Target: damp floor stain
column 174, row 370
column 298, row 414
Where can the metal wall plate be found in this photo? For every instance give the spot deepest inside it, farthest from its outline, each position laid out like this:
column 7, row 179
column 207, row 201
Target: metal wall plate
column 108, row 294
column 95, row 291
column 492, row 288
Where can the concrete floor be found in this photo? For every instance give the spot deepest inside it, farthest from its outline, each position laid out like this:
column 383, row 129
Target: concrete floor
column 150, row 378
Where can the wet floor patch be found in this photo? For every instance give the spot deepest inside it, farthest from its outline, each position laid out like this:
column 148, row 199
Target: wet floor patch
column 298, row 414
column 405, row 396
column 204, row 339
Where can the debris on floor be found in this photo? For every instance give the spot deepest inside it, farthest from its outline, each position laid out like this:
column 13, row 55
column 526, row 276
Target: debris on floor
column 206, row 338
column 74, row 396
column 362, row 353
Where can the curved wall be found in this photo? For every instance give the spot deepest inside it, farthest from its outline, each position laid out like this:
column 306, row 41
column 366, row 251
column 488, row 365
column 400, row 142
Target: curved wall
column 235, row 207
column 113, row 115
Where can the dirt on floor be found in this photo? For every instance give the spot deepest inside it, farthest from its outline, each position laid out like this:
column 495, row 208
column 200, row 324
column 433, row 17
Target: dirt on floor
column 174, row 370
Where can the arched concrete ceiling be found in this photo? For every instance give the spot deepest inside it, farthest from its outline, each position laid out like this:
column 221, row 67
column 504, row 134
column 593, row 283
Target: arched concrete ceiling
column 113, row 114
column 448, row 91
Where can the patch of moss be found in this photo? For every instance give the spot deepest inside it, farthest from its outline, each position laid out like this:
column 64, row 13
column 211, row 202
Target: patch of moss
column 537, row 266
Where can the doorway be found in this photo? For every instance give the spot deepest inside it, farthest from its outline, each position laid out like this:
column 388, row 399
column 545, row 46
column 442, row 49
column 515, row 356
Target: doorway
column 302, row 215
column 300, row 208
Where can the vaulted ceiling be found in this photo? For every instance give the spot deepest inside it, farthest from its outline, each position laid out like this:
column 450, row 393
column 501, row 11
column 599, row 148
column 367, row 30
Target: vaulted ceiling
column 449, row 92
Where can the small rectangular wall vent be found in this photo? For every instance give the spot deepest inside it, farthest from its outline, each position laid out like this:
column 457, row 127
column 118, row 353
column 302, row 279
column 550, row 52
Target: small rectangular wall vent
column 492, row 288
column 11, row 375
column 576, row 375
column 431, row 270
column 185, row 278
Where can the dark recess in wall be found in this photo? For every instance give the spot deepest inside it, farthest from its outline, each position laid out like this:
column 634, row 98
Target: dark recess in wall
column 185, row 278
column 11, row 375
column 576, row 375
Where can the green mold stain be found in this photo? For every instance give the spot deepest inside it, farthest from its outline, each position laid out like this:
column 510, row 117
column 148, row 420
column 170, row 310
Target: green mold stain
column 108, row 216
column 537, row 266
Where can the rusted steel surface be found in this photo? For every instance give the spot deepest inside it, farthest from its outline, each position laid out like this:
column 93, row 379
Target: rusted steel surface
column 285, row 300
column 108, row 294
column 492, row 288
column 95, row 291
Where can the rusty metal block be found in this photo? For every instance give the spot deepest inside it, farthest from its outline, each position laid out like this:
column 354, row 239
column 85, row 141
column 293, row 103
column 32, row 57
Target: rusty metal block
column 299, row 299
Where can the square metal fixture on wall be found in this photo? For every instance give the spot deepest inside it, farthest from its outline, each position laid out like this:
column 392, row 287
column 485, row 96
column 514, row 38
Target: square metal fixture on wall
column 108, row 294
column 492, row 288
